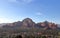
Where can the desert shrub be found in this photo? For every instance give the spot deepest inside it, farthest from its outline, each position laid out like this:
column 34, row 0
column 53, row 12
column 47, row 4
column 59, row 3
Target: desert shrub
column 18, row 36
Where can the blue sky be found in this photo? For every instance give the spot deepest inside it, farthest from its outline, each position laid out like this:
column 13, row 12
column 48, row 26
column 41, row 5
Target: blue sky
column 37, row 10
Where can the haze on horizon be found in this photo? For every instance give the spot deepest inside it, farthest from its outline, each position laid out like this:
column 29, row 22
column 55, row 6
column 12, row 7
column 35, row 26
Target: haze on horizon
column 37, row 10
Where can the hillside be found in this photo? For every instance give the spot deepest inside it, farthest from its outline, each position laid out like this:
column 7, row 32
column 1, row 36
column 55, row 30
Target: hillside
column 28, row 23
column 28, row 27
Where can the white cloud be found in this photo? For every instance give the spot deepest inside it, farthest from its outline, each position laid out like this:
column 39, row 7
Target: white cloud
column 12, row 0
column 27, row 1
column 39, row 13
column 21, row 1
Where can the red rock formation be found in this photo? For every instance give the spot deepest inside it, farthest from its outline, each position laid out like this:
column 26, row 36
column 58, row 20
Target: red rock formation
column 29, row 23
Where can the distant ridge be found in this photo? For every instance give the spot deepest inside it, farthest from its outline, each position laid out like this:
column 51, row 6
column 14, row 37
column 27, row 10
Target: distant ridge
column 28, row 23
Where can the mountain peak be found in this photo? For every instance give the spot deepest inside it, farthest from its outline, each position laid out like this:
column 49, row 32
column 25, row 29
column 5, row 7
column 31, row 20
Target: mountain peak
column 45, row 21
column 28, row 22
column 27, row 19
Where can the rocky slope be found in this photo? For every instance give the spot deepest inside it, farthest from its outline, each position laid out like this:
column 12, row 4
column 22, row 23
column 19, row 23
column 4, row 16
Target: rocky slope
column 28, row 23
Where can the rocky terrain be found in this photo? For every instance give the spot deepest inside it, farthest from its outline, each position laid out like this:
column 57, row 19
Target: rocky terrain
column 28, row 27
column 28, row 23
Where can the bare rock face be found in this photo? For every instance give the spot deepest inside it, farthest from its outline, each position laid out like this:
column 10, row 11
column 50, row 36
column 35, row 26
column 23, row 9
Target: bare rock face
column 47, row 25
column 52, row 25
column 28, row 22
column 15, row 24
column 19, row 23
